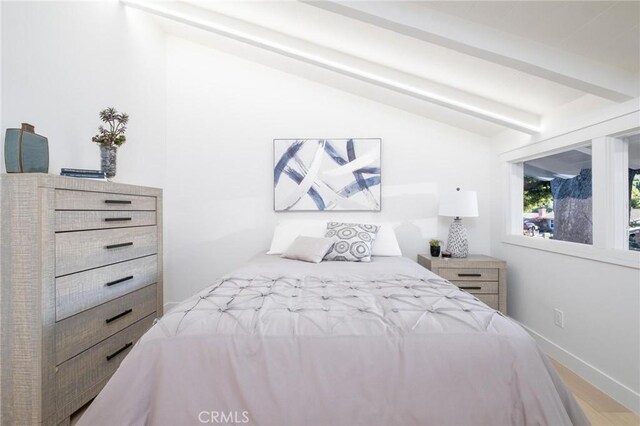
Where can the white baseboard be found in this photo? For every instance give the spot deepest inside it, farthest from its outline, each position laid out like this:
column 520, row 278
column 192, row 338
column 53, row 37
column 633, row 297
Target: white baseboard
column 607, row 384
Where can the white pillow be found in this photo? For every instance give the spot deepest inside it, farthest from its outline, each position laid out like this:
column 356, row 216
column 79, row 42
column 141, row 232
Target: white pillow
column 386, row 243
column 286, row 232
column 308, row 249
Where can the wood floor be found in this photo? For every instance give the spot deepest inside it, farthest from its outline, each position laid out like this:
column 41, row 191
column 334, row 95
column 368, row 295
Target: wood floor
column 599, row 408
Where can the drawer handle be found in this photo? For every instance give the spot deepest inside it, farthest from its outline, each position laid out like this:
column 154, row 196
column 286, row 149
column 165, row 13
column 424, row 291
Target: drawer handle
column 121, row 280
column 117, row 201
column 120, row 315
column 116, row 219
column 469, row 288
column 112, row 246
column 115, row 354
column 469, row 275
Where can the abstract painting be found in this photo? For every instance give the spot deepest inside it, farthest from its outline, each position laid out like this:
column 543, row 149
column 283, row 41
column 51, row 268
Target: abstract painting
column 326, row 174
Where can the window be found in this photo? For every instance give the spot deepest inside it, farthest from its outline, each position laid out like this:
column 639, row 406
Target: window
column 557, row 200
column 577, row 193
column 633, row 144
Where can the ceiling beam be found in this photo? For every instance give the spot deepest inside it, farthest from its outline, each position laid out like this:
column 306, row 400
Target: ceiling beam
column 492, row 45
column 343, row 64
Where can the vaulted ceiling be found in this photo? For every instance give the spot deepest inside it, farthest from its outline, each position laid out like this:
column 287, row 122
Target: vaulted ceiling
column 482, row 65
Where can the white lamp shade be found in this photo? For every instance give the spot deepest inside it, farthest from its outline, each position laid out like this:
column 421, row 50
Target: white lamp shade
column 459, row 204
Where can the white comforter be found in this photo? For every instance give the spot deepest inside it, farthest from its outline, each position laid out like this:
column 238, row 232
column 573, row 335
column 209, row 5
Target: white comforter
column 284, row 342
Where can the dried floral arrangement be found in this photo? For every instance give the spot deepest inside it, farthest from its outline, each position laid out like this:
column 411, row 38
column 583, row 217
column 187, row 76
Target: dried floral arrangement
column 112, row 133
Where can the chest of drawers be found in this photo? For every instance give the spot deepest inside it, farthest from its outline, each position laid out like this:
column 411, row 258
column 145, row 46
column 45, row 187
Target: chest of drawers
column 483, row 276
column 81, row 281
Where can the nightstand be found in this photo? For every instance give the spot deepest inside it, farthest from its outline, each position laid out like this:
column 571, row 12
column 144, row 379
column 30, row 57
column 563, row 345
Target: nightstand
column 483, row 276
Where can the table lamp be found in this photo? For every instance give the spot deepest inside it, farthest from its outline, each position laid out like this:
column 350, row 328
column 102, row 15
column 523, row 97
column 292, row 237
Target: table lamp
column 458, row 204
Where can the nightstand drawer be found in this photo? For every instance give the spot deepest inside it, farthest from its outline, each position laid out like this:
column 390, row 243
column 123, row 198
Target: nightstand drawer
column 484, row 277
column 469, row 274
column 478, row 286
column 490, row 300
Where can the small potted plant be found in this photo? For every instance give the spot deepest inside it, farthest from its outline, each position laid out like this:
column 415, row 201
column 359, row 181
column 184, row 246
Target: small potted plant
column 110, row 136
column 434, row 245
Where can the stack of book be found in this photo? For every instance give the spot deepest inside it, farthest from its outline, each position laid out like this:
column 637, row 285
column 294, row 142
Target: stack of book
column 83, row 173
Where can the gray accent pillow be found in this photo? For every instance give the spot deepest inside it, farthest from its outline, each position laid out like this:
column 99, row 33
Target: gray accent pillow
column 308, row 249
column 353, row 242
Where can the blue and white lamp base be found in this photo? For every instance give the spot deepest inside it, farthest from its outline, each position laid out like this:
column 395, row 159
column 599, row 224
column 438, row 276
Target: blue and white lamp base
column 457, row 243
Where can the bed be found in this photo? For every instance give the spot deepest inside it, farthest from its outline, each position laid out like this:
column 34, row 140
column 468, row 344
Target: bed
column 284, row 342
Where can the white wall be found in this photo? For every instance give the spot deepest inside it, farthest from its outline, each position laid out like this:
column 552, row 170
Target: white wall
column 225, row 111
column 600, row 301
column 62, row 62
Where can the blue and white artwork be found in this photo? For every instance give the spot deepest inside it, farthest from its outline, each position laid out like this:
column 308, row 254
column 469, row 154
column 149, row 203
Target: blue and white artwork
column 326, row 174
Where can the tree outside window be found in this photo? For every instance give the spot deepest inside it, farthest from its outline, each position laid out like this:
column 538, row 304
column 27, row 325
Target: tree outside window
column 558, row 198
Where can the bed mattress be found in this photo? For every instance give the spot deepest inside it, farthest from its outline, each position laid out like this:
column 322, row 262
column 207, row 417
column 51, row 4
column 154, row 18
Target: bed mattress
column 283, row 342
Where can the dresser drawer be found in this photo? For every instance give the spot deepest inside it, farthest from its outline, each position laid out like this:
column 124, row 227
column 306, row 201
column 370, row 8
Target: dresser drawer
column 78, row 292
column 490, row 300
column 81, row 220
column 81, row 377
column 79, row 332
column 79, row 251
column 478, row 286
column 83, row 200
column 469, row 274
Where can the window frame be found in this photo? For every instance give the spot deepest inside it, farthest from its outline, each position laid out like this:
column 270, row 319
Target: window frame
column 609, row 159
column 625, row 159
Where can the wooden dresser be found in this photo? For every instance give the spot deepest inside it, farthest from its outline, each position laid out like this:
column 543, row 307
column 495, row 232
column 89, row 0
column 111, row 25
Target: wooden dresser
column 81, row 281
column 483, row 276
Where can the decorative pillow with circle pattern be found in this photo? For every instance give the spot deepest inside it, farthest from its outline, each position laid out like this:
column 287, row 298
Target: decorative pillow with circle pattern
column 353, row 242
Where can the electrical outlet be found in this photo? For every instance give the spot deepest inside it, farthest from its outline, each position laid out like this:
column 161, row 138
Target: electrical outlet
column 558, row 318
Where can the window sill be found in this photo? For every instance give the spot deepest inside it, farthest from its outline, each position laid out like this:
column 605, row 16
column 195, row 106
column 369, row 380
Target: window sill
column 629, row 259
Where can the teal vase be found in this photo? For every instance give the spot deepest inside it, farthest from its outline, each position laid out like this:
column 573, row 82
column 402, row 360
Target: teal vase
column 25, row 151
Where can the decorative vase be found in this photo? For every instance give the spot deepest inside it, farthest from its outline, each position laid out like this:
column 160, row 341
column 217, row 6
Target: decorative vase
column 108, row 160
column 25, row 151
column 435, row 251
